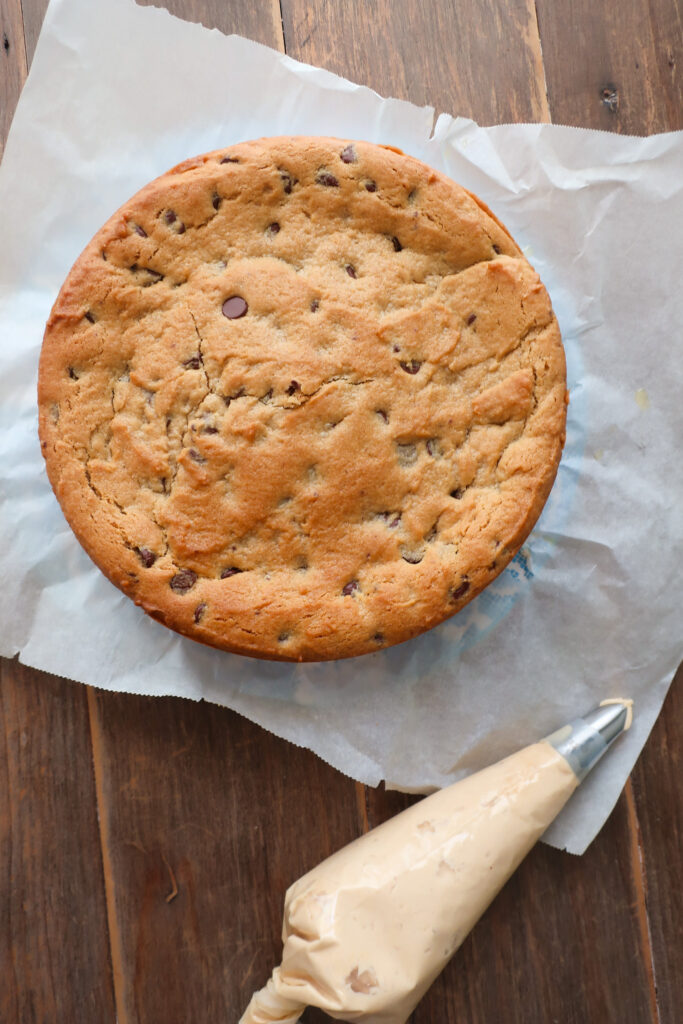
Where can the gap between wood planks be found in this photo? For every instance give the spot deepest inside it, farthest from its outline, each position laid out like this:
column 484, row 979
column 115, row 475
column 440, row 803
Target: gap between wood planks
column 637, row 858
column 103, row 824
column 540, row 63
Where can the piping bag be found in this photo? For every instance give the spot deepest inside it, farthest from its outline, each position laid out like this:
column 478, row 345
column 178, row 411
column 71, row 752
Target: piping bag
column 367, row 931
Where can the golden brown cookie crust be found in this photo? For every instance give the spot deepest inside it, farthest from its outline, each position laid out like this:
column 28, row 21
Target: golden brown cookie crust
column 302, row 398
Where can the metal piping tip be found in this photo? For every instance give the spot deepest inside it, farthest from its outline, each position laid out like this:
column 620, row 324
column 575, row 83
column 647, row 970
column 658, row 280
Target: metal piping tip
column 583, row 742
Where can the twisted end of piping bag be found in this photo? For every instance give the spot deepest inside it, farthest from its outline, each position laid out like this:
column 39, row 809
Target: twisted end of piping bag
column 268, row 1007
column 367, row 931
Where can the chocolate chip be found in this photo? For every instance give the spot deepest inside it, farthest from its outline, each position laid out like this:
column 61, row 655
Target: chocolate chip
column 470, row 319
column 216, row 200
column 147, row 557
column 396, row 244
column 283, row 637
column 371, row 186
column 434, row 448
column 230, row 160
column 412, row 367
column 90, row 317
column 315, row 305
column 232, row 571
column 234, row 307
column 194, row 362
column 288, row 182
column 139, row 231
column 457, row 493
column 327, row 179
column 350, row 588
column 396, row 348
column 350, row 270
column 378, row 638
column 72, row 373
column 183, row 581
column 273, row 228
column 210, row 430
column 497, row 250
column 293, row 388
column 171, row 218
column 382, row 415
column 149, row 276
column 348, row 154
column 230, row 398
column 199, row 611
column 195, row 455
column 460, row 591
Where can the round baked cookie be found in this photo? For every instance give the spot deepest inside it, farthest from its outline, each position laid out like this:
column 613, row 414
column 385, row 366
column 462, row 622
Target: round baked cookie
column 302, row 398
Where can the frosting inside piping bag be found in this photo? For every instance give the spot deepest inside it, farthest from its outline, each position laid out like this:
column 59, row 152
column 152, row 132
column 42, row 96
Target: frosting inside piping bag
column 367, row 931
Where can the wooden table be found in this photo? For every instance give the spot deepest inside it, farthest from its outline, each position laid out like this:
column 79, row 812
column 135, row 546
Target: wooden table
column 145, row 844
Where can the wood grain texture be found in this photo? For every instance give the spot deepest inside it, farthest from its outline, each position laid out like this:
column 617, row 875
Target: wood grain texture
column 256, row 19
column 54, row 957
column 206, row 820
column 658, row 795
column 616, row 66
column 481, row 60
column 12, row 63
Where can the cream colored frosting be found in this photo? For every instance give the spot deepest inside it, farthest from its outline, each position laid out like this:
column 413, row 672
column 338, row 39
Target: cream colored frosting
column 368, row 930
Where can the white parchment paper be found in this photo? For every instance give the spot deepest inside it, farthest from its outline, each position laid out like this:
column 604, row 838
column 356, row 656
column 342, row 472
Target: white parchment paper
column 591, row 608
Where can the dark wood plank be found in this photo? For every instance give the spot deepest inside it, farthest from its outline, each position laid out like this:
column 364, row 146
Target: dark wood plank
column 658, row 797
column 206, row 819
column 623, row 72
column 616, row 66
column 12, row 63
column 255, row 19
column 53, row 927
column 53, row 924
column 481, row 60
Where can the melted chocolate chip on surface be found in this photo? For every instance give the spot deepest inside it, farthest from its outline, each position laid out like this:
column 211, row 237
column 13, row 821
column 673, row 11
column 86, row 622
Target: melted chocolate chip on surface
column 234, row 307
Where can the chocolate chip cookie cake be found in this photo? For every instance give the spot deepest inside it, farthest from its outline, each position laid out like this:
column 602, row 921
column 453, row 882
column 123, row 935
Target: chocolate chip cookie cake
column 302, row 398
